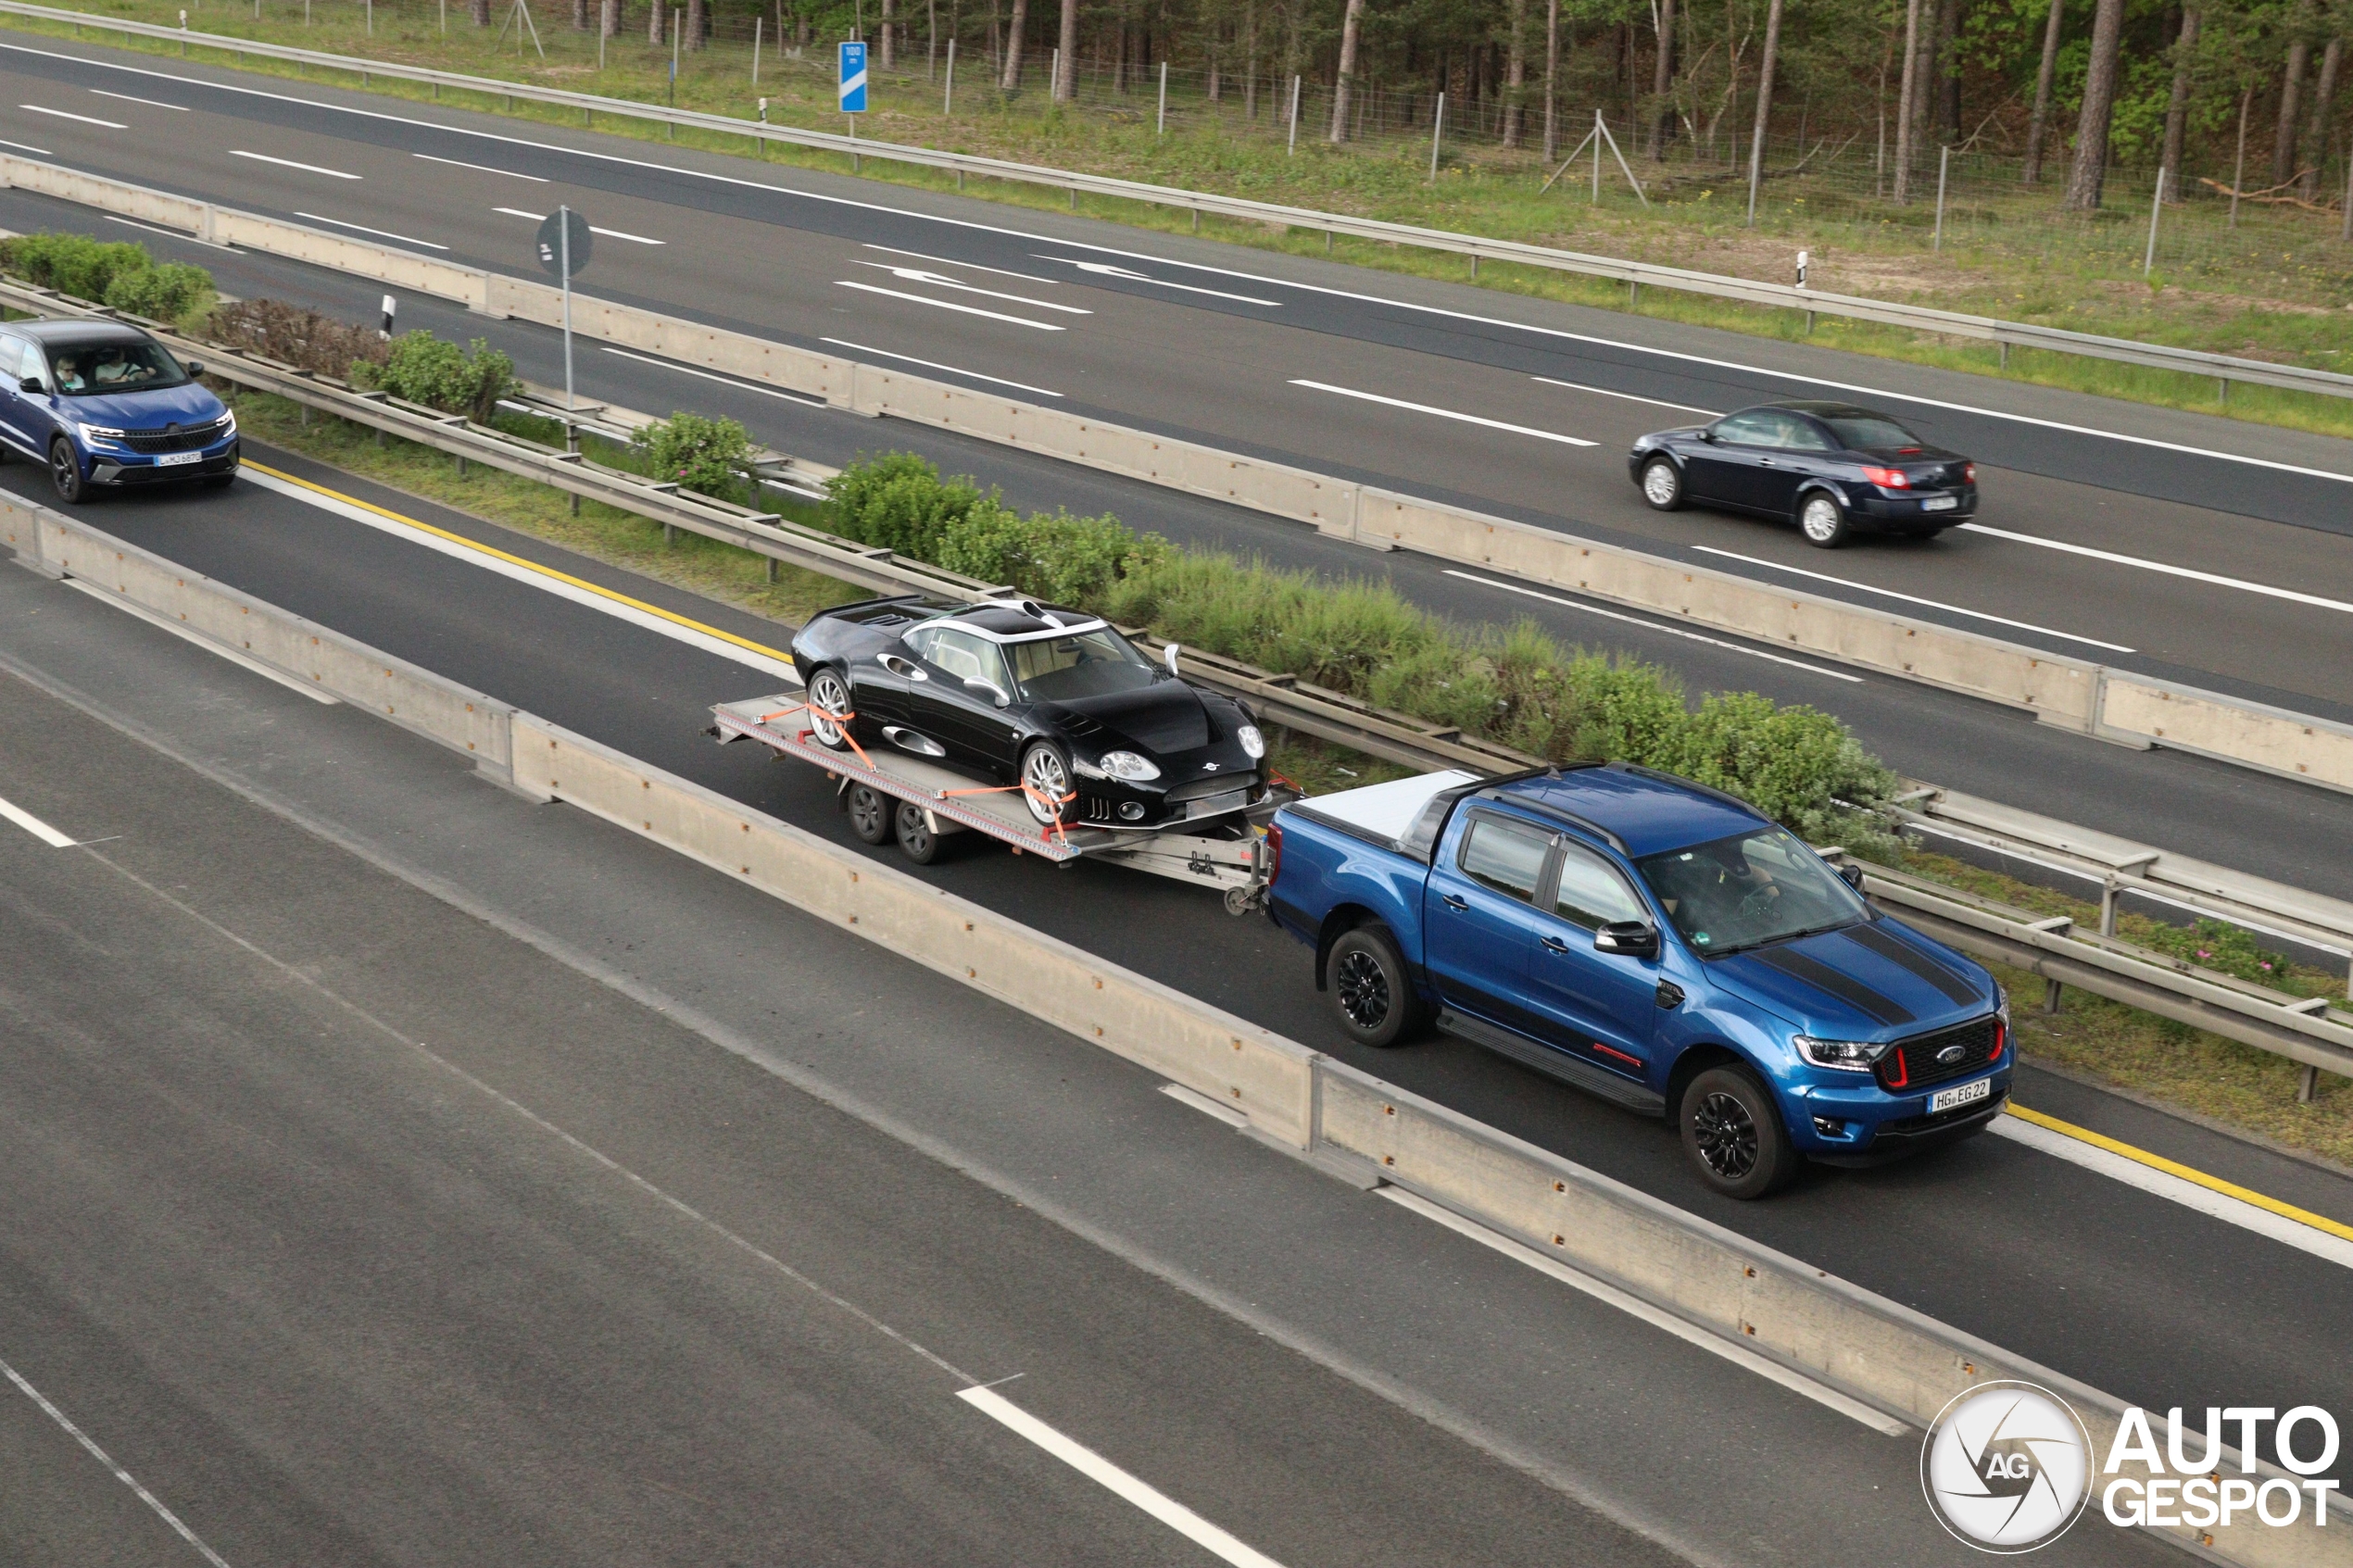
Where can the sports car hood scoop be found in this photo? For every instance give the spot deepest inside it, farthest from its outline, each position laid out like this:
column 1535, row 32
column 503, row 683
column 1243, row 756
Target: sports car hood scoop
column 1164, row 718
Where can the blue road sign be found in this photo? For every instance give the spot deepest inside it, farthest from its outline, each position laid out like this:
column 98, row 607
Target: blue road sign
column 853, row 79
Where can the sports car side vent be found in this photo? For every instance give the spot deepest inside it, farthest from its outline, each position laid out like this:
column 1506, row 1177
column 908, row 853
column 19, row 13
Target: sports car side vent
column 1080, row 725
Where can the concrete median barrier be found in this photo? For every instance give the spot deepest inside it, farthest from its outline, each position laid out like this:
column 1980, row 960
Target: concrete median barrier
column 2297, row 745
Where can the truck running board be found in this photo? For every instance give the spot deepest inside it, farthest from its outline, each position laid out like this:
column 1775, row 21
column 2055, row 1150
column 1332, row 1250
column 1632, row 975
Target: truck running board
column 1569, row 1070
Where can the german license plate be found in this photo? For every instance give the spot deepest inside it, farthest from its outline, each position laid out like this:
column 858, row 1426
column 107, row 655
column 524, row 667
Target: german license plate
column 1968, row 1094
column 1940, row 503
column 173, row 459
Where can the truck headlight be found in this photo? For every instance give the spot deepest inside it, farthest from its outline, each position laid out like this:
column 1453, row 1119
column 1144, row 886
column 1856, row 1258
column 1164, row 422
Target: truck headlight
column 1126, row 765
column 1253, row 741
column 1847, row 1055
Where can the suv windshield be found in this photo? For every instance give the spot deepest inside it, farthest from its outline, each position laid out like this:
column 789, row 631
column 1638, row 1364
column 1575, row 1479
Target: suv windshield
column 1084, row 664
column 1872, row 432
column 95, row 370
column 1749, row 889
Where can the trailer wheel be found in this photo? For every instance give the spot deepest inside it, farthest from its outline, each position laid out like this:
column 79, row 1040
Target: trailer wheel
column 829, row 693
column 870, row 813
column 915, row 833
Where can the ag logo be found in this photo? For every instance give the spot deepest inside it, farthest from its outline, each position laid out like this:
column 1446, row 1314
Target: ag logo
column 2006, row 1467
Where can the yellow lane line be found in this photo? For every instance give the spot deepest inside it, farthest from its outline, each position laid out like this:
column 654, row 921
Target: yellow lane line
column 2187, row 1174
column 512, row 559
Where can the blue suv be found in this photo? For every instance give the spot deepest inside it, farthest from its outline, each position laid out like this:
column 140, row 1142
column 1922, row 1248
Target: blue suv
column 1653, row 942
column 104, row 403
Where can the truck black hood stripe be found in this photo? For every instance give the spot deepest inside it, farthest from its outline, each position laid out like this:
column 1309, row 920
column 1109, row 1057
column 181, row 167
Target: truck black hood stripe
column 1821, row 976
column 1896, row 950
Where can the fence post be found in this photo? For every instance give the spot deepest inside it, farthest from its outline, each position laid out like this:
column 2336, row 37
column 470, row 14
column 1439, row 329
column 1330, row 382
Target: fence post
column 1943, row 163
column 1597, row 157
column 1293, row 148
column 759, row 24
column 2148, row 262
column 948, row 99
column 2347, row 232
column 1160, row 128
column 1438, row 130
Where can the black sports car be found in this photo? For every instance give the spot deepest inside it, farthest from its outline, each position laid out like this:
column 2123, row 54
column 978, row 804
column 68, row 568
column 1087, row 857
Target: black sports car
column 1053, row 700
column 1830, row 467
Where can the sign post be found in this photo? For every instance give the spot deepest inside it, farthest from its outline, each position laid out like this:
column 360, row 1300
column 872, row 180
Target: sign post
column 853, row 89
column 565, row 242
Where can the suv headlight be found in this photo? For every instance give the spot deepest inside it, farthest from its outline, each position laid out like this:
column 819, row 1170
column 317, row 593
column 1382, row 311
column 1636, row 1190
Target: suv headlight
column 228, row 421
column 1847, row 1055
column 1253, row 741
column 98, row 433
column 1126, row 765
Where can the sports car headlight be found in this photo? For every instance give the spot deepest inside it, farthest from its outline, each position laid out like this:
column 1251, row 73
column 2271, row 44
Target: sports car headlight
column 1126, row 765
column 1254, row 744
column 1847, row 1055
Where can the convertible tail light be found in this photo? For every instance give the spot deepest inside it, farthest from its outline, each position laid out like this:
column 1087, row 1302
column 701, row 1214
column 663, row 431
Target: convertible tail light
column 1888, row 478
column 1273, row 852
column 1968, row 473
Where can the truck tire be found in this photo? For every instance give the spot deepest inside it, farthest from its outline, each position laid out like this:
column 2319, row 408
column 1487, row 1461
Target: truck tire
column 1733, row 1133
column 1372, row 992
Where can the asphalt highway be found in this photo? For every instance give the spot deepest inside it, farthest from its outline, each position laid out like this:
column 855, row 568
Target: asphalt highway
column 2150, row 539
column 2114, row 1284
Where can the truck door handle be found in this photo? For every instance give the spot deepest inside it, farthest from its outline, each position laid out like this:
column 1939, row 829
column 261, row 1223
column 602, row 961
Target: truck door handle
column 1555, row 945
column 1455, row 901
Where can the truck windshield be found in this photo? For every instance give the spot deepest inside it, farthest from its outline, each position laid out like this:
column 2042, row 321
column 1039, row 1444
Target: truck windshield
column 1748, row 890
column 1081, row 665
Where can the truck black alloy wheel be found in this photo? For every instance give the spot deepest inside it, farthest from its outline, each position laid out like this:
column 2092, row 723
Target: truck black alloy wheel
column 1734, row 1134
column 1371, row 993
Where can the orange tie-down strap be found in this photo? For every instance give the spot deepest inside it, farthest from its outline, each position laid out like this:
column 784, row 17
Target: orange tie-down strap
column 840, row 721
column 1056, row 827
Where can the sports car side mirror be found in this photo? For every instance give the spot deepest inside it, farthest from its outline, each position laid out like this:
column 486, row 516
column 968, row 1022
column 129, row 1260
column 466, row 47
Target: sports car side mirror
column 1631, row 938
column 996, row 693
column 1171, row 652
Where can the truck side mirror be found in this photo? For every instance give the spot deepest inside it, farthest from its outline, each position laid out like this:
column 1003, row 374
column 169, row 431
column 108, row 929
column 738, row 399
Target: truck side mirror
column 1629, row 938
column 1852, row 874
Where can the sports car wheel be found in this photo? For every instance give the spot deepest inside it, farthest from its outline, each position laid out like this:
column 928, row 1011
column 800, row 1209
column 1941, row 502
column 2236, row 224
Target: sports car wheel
column 1371, row 993
column 1735, row 1135
column 1824, row 521
column 870, row 813
column 829, row 693
column 1663, row 486
column 1046, row 782
column 915, row 833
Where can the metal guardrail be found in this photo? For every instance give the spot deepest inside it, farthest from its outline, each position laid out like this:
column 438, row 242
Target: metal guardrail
column 2222, row 367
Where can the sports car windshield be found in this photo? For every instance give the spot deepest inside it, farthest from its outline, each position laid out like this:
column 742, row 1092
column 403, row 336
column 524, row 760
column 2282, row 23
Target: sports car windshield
column 1872, row 432
column 1748, row 890
column 1083, row 664
column 94, row 369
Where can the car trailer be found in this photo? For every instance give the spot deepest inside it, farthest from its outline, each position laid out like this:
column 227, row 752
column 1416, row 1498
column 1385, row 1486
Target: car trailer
column 919, row 803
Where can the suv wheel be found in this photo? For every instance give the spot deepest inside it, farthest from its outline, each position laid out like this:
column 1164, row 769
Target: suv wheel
column 1372, row 994
column 65, row 472
column 1823, row 520
column 1734, row 1134
column 1662, row 484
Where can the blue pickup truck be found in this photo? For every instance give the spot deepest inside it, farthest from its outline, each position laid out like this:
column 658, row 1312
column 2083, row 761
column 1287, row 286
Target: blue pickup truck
column 1654, row 942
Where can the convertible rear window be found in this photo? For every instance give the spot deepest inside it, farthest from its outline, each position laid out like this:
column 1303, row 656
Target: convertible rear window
column 95, row 370
column 1081, row 665
column 1872, row 432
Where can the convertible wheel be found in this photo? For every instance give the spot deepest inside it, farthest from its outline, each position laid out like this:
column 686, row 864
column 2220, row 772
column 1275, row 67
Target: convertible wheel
column 1824, row 521
column 916, row 834
column 829, row 693
column 1046, row 778
column 1663, row 486
column 1372, row 994
column 1734, row 1136
column 870, row 813
column 65, row 472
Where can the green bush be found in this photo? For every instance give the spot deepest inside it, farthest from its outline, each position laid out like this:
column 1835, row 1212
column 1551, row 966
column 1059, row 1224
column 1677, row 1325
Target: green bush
column 423, row 368
column 696, row 453
column 73, row 264
column 172, row 293
column 1517, row 686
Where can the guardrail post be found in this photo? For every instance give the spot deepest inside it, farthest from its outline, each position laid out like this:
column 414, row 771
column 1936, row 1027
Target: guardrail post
column 2111, row 893
column 2308, row 1084
column 2051, row 991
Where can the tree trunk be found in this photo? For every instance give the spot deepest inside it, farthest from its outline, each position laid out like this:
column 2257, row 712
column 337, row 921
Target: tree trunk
column 887, row 57
column 2299, row 56
column 479, row 11
column 1351, row 30
column 2177, row 107
column 1663, row 81
column 2324, row 101
column 1903, row 101
column 1250, row 56
column 609, row 18
column 1764, row 102
column 2090, row 169
column 654, row 14
column 2038, row 128
column 580, row 15
column 1016, row 33
column 1515, row 75
column 1552, row 79
column 698, row 18
column 1066, row 79
column 1948, row 101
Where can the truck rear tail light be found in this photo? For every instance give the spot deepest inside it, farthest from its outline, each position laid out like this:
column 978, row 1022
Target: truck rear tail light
column 1273, row 852
column 1888, row 478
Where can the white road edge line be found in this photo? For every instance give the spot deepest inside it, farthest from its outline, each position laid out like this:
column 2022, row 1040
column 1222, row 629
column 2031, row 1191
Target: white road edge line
column 28, row 147
column 1655, row 626
column 935, row 364
column 1634, row 1306
column 944, row 305
column 2189, row 1195
column 86, row 120
column 1443, row 413
column 380, row 234
column 237, row 656
column 1104, row 1473
column 1912, row 598
column 481, row 168
column 92, row 1449
column 2239, row 582
column 289, row 163
column 1191, row 265
column 635, row 617
column 35, row 826
column 708, row 376
column 151, row 103
column 1605, row 392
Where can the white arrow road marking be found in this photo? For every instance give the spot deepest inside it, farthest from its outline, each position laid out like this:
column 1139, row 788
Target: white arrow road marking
column 1104, row 268
column 945, row 305
column 940, row 281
